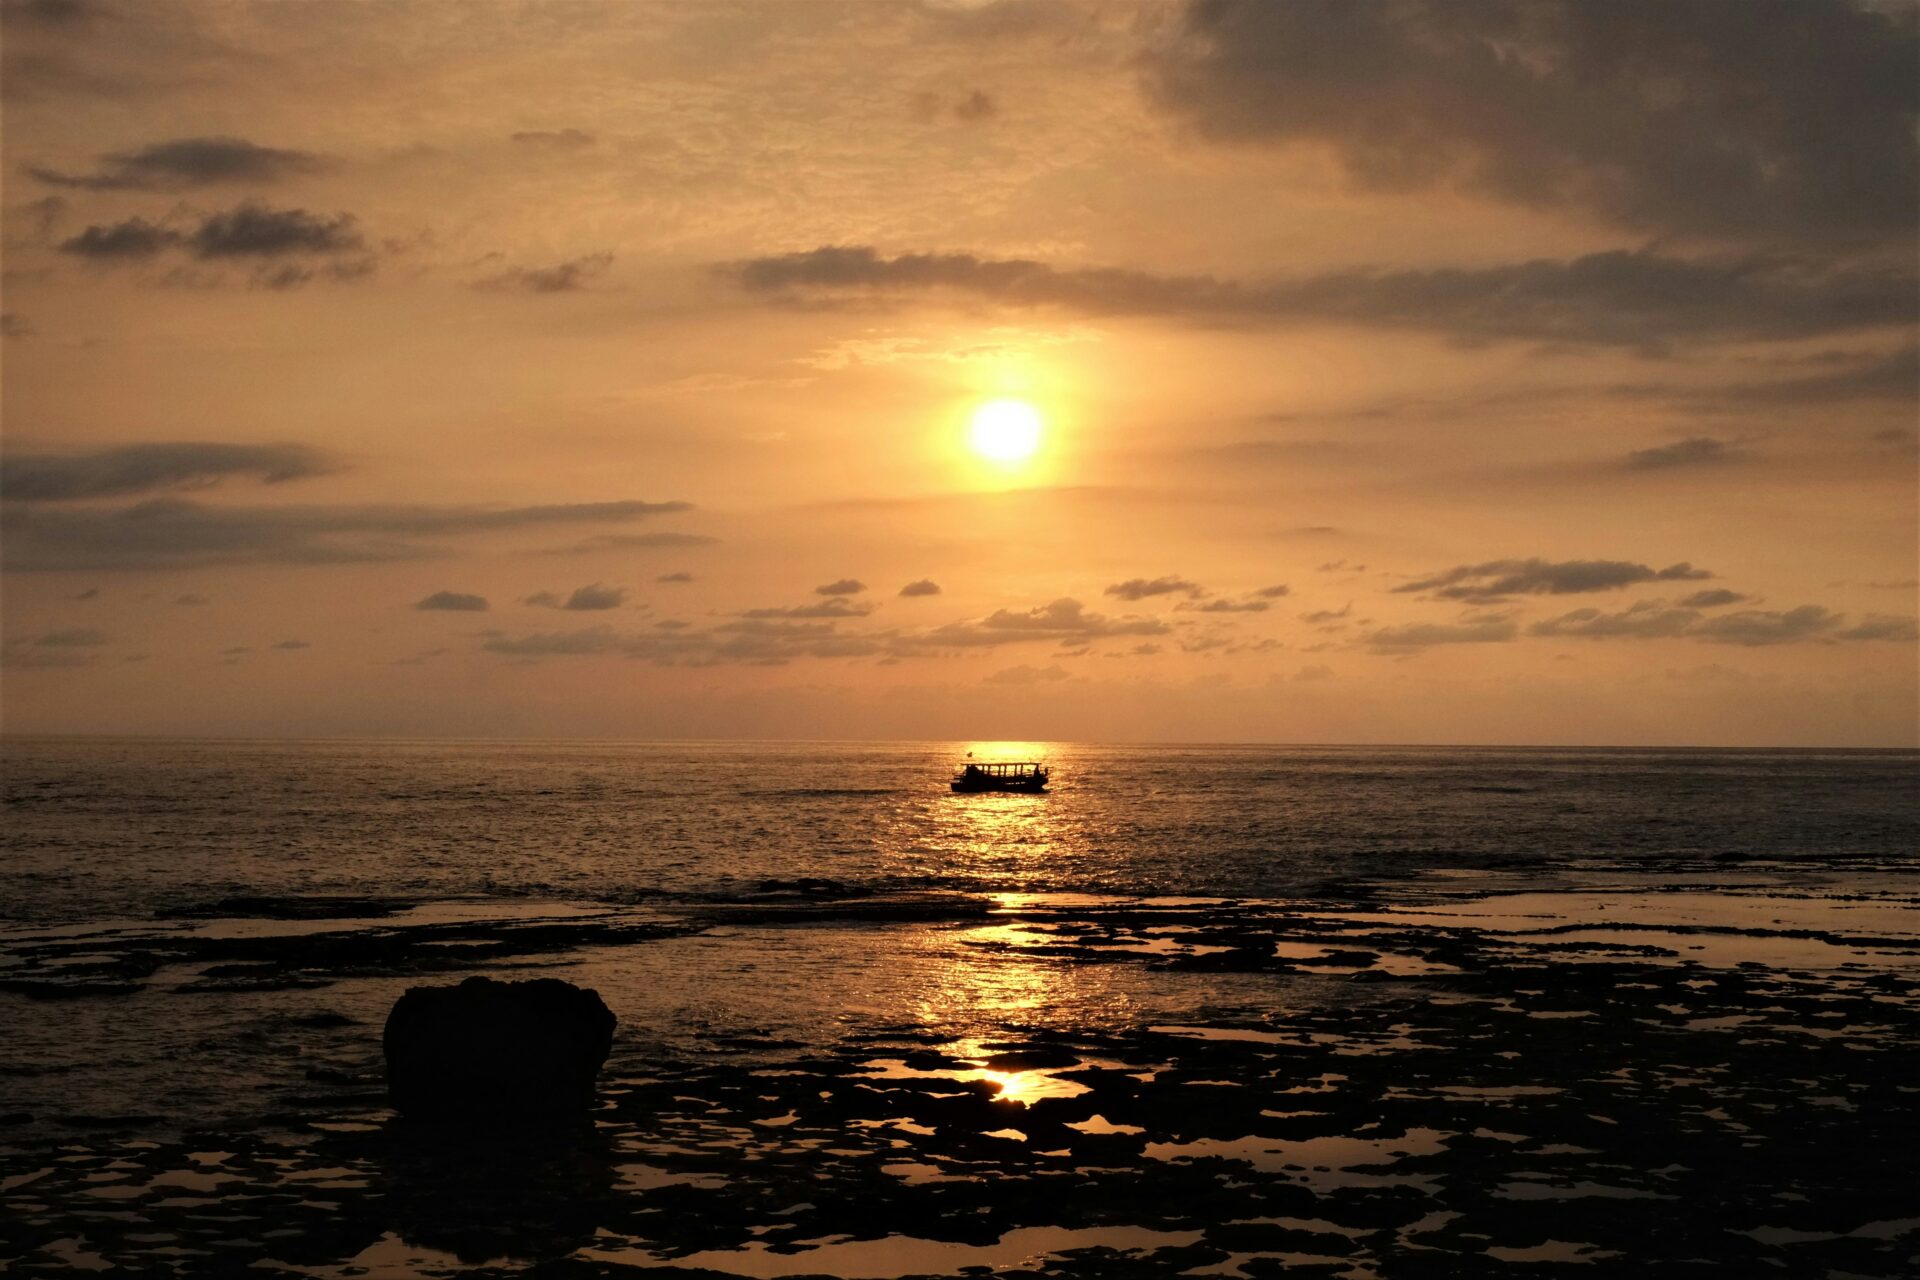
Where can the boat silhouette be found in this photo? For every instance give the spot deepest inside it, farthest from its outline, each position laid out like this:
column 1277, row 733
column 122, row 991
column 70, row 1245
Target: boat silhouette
column 1024, row 776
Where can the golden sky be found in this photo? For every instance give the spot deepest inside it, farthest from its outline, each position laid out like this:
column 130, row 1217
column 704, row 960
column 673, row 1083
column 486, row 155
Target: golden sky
column 1524, row 371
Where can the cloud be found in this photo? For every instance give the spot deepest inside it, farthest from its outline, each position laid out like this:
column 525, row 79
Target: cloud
column 742, row 641
column 15, row 325
column 1695, row 451
column 1654, row 619
column 1065, row 621
column 190, row 600
column 186, row 162
column 248, row 232
column 836, row 607
column 565, row 277
column 1495, row 580
column 842, row 587
column 289, row 645
column 1893, row 375
column 69, row 647
column 1647, row 620
column 1765, row 119
column 1713, row 599
column 72, row 638
column 1321, row 616
column 253, row 230
column 1141, row 588
column 133, row 238
column 1882, row 626
column 922, row 587
column 1633, row 298
column 1025, row 674
column 143, row 468
column 635, row 541
column 1224, row 606
column 453, row 601
column 1313, row 673
column 1274, row 592
column 675, row 577
column 1762, row 627
column 596, row 597
column 976, row 106
column 174, row 533
column 1485, row 629
column 554, row 139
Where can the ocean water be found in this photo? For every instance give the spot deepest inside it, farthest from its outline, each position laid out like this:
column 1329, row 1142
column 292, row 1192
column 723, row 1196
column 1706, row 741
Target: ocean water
column 1199, row 1010
column 106, row 828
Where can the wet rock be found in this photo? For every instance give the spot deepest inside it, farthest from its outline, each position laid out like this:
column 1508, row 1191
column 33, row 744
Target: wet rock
column 496, row 1052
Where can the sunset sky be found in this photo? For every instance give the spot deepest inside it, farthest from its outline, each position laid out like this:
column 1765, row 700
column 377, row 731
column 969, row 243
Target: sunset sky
column 1484, row 372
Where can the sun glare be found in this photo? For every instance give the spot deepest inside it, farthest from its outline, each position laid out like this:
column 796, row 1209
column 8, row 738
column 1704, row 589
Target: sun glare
column 1005, row 431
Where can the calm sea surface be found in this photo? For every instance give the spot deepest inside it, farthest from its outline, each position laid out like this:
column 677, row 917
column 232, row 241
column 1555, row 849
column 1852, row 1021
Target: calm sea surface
column 108, row 828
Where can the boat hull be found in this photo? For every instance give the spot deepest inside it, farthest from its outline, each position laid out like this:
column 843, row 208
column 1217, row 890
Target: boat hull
column 1025, row 786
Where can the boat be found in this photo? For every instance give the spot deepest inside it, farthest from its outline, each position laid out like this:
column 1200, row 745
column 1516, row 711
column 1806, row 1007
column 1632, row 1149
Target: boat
column 1024, row 776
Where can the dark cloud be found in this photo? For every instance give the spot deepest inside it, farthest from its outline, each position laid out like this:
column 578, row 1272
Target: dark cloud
column 1647, row 620
column 143, row 468
column 186, row 162
column 454, row 601
column 1654, row 619
column 1275, row 591
column 1142, row 588
column 842, row 587
column 554, row 139
column 1692, row 452
column 133, row 238
column 254, row 230
column 922, row 587
column 976, row 106
column 675, row 577
column 1762, row 626
column 15, row 325
column 171, row 533
column 1065, row 621
column 1320, row 617
column 289, row 645
column 1724, row 117
column 72, row 638
column 1881, row 626
column 1634, row 298
column 1224, row 606
column 836, row 607
column 565, row 277
column 246, row 232
column 1484, row 629
column 1892, row 375
column 1713, row 599
column 596, row 596
column 1495, row 580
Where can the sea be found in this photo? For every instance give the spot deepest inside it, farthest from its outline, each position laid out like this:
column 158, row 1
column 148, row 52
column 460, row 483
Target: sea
column 105, row 828
column 203, row 937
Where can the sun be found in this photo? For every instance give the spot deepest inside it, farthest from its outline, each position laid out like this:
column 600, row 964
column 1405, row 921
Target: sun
column 1005, row 431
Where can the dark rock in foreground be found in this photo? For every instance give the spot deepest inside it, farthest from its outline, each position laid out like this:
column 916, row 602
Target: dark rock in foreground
column 500, row 1052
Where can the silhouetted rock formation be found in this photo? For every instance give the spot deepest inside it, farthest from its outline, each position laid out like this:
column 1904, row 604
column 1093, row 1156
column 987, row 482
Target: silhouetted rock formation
column 496, row 1051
